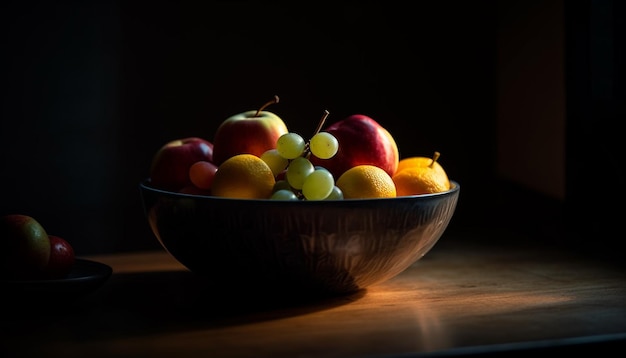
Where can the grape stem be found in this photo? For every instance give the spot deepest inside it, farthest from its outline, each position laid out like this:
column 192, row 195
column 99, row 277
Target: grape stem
column 321, row 122
column 273, row 101
column 307, row 147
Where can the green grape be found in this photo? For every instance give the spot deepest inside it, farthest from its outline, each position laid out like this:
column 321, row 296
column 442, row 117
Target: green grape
column 323, row 145
column 318, row 185
column 284, row 194
column 290, row 145
column 275, row 161
column 281, row 185
column 298, row 170
column 319, row 167
column 335, row 194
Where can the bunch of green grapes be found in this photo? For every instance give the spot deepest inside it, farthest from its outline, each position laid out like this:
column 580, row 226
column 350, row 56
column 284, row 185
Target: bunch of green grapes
column 299, row 178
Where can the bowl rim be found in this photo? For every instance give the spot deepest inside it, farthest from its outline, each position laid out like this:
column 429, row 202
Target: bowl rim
column 144, row 185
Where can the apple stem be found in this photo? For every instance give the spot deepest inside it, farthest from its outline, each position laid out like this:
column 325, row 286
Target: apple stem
column 321, row 122
column 273, row 101
column 435, row 157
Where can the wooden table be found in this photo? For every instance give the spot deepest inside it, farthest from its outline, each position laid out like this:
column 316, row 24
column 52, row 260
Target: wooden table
column 461, row 298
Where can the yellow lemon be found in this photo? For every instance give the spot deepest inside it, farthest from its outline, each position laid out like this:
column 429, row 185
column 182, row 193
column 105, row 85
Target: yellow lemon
column 243, row 176
column 420, row 175
column 366, row 181
column 421, row 162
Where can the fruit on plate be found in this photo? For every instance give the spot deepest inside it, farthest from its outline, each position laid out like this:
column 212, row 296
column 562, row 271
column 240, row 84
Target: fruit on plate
column 323, row 145
column 170, row 165
column 61, row 258
column 362, row 141
column 29, row 253
column 296, row 177
column 420, row 175
column 243, row 176
column 201, row 174
column 366, row 181
column 254, row 156
column 251, row 132
column 275, row 161
column 25, row 249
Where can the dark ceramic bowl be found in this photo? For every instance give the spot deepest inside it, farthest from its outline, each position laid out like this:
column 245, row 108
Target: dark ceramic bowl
column 332, row 247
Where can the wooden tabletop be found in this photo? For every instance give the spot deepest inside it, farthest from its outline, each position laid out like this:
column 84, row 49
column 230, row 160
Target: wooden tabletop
column 461, row 298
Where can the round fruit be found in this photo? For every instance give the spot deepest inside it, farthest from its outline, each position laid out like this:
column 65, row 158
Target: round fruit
column 362, row 141
column 335, row 194
column 318, row 185
column 290, row 145
column 366, row 181
column 275, row 161
column 61, row 258
column 285, row 195
column 244, row 176
column 169, row 169
column 299, row 169
column 201, row 174
column 421, row 162
column 421, row 175
column 249, row 132
column 323, row 145
column 25, row 247
column 281, row 184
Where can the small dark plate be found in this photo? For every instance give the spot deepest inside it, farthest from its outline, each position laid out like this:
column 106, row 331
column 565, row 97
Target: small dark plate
column 86, row 276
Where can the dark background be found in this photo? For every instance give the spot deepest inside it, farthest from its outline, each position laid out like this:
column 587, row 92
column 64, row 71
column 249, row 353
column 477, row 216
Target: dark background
column 90, row 90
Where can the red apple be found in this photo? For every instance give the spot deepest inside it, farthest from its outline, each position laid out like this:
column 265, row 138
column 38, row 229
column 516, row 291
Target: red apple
column 171, row 163
column 250, row 132
column 25, row 247
column 362, row 140
column 61, row 258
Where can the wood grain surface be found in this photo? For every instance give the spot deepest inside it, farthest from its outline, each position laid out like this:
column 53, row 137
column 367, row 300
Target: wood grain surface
column 461, row 297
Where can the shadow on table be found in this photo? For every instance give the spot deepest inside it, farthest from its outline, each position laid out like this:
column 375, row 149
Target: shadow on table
column 170, row 300
column 184, row 293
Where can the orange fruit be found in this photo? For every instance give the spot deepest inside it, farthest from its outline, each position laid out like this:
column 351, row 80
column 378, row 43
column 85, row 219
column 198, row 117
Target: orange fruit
column 366, row 181
column 419, row 162
column 243, row 176
column 420, row 175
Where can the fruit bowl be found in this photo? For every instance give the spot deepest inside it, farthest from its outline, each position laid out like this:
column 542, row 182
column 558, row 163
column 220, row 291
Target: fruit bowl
column 326, row 247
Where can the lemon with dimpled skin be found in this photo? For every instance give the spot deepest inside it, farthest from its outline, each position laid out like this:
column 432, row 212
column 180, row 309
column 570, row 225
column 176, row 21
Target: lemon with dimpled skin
column 243, row 176
column 365, row 182
column 420, row 175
